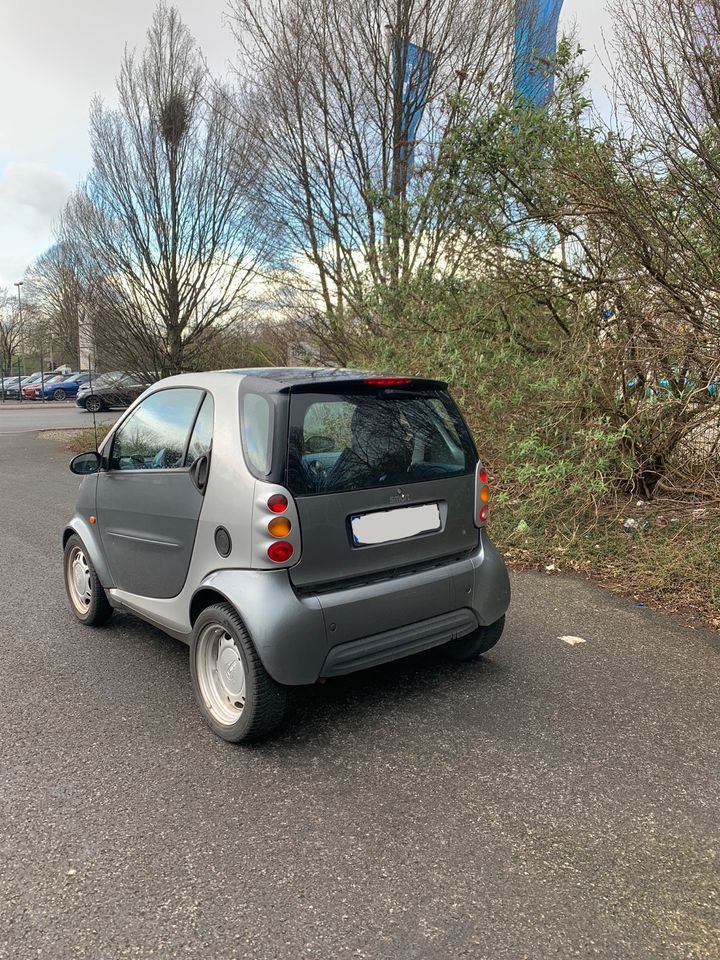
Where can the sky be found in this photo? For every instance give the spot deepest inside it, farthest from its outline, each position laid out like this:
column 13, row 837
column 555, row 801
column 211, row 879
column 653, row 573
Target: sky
column 55, row 55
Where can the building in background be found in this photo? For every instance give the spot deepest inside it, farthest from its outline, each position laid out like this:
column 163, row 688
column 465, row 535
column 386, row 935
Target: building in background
column 86, row 341
column 536, row 27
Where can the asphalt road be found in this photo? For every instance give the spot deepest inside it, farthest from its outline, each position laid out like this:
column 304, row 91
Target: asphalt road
column 26, row 417
column 554, row 801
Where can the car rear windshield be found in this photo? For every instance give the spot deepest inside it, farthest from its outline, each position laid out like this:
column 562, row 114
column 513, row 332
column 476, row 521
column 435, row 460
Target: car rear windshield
column 356, row 441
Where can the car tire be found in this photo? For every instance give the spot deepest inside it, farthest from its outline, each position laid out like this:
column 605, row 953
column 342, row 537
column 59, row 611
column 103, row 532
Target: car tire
column 94, row 404
column 475, row 644
column 58, row 394
column 236, row 695
column 86, row 595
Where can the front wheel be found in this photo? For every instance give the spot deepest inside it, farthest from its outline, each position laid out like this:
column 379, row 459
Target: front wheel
column 237, row 696
column 475, row 644
column 94, row 404
column 86, row 594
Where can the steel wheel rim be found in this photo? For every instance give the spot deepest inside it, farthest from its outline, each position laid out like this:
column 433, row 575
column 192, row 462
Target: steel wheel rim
column 220, row 674
column 79, row 580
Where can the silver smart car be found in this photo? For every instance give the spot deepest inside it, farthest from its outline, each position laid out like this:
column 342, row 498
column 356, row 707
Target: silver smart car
column 289, row 525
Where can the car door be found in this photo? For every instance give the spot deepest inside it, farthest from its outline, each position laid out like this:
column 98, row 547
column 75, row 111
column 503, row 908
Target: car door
column 150, row 496
column 113, row 391
column 129, row 389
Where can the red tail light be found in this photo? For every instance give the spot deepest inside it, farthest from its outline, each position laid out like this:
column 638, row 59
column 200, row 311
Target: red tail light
column 280, row 552
column 275, row 527
column 482, row 496
column 387, row 381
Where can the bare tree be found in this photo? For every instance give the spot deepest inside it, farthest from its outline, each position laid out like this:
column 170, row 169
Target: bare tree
column 55, row 287
column 331, row 95
column 612, row 235
column 664, row 207
column 10, row 330
column 163, row 228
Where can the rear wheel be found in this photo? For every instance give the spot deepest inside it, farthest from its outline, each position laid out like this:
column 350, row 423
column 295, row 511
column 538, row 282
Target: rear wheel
column 86, row 594
column 58, row 394
column 237, row 696
column 475, row 644
column 94, row 404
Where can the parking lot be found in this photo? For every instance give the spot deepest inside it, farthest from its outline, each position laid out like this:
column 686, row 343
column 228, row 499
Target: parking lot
column 30, row 415
column 553, row 801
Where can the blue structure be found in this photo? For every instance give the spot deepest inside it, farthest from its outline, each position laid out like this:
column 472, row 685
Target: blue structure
column 536, row 26
column 415, row 83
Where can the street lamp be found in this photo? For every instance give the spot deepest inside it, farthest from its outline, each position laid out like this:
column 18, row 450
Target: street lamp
column 18, row 285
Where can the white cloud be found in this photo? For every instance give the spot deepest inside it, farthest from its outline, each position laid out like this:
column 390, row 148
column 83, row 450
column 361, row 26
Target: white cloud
column 32, row 186
column 54, row 56
column 31, row 197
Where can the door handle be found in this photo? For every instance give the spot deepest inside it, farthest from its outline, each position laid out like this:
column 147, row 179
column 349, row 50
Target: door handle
column 199, row 472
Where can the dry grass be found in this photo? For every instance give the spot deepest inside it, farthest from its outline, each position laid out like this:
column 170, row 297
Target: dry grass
column 78, row 441
column 86, row 439
column 671, row 560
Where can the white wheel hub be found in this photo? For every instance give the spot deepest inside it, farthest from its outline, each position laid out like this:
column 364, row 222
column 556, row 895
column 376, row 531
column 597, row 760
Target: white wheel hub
column 220, row 674
column 79, row 580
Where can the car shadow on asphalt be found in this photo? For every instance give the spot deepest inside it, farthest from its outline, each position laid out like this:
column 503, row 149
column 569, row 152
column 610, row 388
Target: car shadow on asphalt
column 411, row 687
column 415, row 688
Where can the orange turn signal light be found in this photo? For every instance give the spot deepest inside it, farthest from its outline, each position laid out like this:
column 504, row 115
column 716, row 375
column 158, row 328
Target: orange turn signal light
column 279, row 527
column 93, row 520
column 484, row 494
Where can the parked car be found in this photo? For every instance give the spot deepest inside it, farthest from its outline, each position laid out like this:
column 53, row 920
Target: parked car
column 11, row 386
column 64, row 389
column 115, row 389
column 32, row 391
column 288, row 525
column 14, row 384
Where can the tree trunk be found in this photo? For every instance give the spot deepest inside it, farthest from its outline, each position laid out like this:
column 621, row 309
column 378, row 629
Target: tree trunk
column 174, row 363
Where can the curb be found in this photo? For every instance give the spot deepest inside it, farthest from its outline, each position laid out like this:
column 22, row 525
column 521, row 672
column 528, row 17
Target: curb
column 33, row 404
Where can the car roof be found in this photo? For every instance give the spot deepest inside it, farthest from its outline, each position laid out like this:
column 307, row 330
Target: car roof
column 300, row 374
column 284, row 378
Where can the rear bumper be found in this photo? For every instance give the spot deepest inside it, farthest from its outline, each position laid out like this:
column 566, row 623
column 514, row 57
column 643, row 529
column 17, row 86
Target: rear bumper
column 401, row 642
column 301, row 638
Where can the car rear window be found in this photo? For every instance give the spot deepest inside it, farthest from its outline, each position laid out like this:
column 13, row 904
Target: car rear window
column 356, row 441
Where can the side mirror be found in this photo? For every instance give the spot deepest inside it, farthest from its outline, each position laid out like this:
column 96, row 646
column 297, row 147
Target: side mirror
column 85, row 463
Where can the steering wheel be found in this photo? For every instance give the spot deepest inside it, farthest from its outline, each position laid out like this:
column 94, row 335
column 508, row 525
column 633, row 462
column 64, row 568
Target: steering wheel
column 319, row 444
column 128, row 461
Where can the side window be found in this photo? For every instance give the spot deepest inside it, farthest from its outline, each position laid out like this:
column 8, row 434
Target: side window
column 155, row 435
column 257, row 431
column 201, row 439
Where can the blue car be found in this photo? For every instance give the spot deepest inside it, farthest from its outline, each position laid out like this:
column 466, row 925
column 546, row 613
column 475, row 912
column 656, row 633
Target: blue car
column 64, row 390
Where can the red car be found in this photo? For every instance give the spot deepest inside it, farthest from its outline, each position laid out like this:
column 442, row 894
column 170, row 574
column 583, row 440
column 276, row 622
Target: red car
column 31, row 391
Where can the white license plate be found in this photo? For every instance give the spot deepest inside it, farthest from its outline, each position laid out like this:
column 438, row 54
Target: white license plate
column 388, row 525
